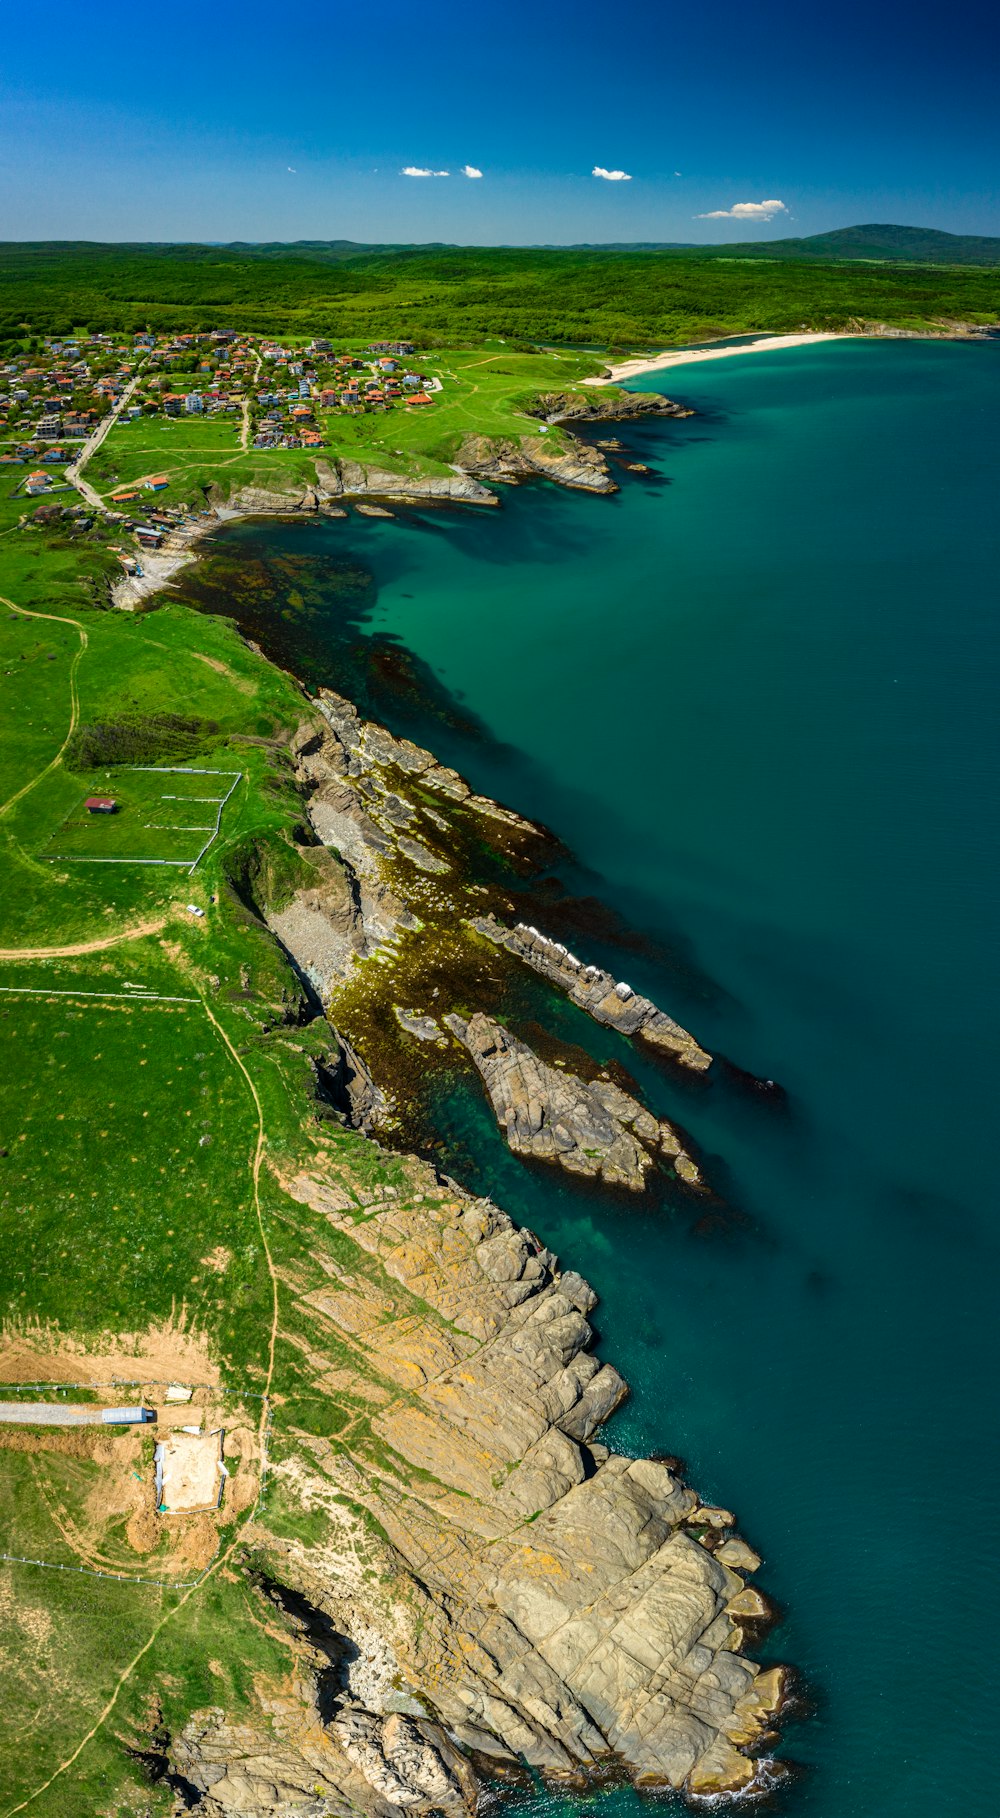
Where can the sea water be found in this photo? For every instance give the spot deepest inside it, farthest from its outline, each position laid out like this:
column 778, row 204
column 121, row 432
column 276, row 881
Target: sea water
column 755, row 692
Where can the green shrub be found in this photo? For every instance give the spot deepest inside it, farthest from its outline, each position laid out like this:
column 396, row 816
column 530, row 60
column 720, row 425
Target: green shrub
column 137, row 739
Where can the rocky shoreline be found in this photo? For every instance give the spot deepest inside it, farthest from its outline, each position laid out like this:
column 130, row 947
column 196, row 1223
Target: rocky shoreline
column 372, row 491
column 498, row 1590
column 492, row 1589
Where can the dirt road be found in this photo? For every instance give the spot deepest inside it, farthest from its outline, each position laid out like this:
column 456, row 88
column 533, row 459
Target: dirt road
column 74, row 472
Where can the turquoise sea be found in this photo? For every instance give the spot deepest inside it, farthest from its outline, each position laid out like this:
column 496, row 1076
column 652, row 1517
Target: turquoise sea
column 756, row 694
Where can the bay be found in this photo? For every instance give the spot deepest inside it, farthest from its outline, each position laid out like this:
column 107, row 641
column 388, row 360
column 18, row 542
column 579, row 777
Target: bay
column 755, row 693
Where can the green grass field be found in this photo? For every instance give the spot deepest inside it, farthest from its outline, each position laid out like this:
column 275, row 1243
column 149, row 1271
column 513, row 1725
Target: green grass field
column 35, row 657
column 166, row 817
column 129, row 1133
column 483, row 390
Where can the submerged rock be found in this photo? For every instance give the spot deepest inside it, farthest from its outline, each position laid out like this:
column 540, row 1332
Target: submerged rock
column 424, row 1027
column 592, row 1128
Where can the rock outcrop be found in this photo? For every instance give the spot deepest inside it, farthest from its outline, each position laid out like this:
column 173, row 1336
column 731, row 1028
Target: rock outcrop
column 590, row 1128
column 517, row 1586
column 390, row 880
column 507, row 460
column 356, row 775
column 611, row 406
column 359, row 1762
column 605, row 999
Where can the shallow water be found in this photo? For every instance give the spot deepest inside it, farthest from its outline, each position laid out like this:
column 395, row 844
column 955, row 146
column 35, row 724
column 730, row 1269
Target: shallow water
column 755, row 694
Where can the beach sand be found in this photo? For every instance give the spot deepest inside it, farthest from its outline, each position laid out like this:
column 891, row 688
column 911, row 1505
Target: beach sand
column 686, row 356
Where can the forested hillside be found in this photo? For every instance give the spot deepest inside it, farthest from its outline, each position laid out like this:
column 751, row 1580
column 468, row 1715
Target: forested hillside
column 578, row 295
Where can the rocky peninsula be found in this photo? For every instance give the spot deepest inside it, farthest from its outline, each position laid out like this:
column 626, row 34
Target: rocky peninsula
column 594, row 1129
column 400, row 938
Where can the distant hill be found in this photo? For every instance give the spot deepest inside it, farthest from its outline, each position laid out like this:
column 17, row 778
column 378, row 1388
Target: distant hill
column 883, row 241
column 875, row 242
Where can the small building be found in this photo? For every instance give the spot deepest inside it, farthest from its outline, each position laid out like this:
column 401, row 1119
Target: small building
column 148, row 536
column 194, row 403
column 156, row 482
column 126, row 1417
column 103, row 804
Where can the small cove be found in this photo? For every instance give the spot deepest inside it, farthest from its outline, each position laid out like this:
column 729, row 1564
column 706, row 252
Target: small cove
column 755, row 696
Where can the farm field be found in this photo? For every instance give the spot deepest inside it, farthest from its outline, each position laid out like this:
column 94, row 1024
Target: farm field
column 162, row 817
column 131, row 669
column 35, row 660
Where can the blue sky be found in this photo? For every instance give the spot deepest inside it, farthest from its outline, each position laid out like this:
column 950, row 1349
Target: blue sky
column 257, row 122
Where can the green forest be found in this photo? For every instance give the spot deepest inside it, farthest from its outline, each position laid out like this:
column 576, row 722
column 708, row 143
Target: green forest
column 607, row 297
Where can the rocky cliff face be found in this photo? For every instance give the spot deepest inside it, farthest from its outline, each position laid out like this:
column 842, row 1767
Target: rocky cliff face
column 358, row 1762
column 594, row 1128
column 506, row 460
column 509, row 1590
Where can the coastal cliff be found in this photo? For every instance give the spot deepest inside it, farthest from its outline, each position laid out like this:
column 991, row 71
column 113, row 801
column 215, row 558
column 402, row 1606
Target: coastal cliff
column 495, row 1587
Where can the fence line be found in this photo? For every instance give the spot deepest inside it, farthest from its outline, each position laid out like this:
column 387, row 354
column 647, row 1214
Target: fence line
column 161, row 1584
column 237, row 778
column 69, row 858
column 139, row 1382
column 128, row 997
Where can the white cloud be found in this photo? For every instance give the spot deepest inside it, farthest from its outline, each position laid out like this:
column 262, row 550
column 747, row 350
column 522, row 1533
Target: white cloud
column 418, row 170
column 291, row 170
column 469, row 170
column 611, row 176
column 745, row 211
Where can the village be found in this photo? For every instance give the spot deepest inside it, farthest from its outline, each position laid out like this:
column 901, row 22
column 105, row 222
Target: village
column 56, row 395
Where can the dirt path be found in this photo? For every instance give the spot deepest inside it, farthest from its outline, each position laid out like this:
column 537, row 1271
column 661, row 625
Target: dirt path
column 223, row 1558
column 74, row 698
column 245, row 432
column 136, row 933
column 74, row 471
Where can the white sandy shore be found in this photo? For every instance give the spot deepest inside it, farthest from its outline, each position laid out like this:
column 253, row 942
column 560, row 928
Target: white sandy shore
column 686, row 356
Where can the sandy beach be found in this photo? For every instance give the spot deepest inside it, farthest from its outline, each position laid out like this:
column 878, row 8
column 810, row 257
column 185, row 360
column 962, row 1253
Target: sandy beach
column 686, row 356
